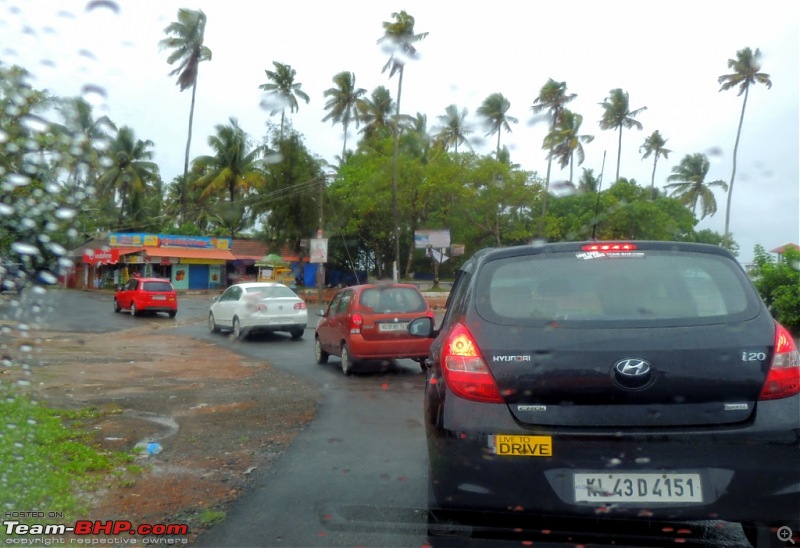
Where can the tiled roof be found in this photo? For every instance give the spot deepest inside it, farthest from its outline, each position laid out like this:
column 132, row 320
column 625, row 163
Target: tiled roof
column 248, row 249
column 783, row 248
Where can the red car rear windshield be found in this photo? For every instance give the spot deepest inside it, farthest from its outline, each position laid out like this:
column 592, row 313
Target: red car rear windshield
column 393, row 299
column 157, row 287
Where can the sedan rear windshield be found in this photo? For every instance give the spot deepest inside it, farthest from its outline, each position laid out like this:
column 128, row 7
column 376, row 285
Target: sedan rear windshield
column 670, row 288
column 157, row 287
column 271, row 292
column 393, row 299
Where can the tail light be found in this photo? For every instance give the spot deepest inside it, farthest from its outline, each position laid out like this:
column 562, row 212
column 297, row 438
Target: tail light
column 356, row 321
column 465, row 370
column 783, row 378
column 300, row 306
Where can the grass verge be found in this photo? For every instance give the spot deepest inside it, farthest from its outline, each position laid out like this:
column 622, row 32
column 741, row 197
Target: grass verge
column 49, row 458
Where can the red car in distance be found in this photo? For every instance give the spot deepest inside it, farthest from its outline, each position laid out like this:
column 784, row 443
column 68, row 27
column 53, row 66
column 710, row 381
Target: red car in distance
column 146, row 295
column 369, row 322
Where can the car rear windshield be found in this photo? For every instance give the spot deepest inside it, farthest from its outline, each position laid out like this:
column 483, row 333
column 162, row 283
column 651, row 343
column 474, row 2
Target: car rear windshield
column 393, row 299
column 157, row 287
column 271, row 292
column 670, row 288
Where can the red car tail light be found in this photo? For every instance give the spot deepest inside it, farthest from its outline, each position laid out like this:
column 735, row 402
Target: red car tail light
column 300, row 306
column 356, row 321
column 465, row 371
column 783, row 378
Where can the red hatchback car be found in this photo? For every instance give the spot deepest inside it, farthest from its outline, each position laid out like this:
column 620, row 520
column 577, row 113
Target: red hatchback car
column 370, row 322
column 141, row 295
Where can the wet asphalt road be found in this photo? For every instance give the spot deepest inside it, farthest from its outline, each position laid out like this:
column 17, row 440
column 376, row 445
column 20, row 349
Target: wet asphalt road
column 357, row 476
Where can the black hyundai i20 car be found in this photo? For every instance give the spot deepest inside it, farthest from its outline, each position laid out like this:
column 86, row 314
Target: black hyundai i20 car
column 620, row 380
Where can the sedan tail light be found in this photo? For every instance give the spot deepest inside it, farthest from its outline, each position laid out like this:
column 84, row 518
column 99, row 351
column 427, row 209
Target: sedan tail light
column 300, row 306
column 783, row 378
column 465, row 370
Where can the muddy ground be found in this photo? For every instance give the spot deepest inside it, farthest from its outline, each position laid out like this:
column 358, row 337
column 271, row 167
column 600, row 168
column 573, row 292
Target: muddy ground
column 221, row 420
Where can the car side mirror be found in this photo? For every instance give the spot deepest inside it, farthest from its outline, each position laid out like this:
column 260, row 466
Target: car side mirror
column 421, row 327
column 321, row 313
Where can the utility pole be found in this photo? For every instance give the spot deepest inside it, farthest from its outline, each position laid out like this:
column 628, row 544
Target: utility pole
column 320, row 266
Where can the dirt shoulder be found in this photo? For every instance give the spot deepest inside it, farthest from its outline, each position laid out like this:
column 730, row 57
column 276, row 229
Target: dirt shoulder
column 220, row 419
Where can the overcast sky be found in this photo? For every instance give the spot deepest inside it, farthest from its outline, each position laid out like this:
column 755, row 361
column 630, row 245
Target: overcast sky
column 667, row 55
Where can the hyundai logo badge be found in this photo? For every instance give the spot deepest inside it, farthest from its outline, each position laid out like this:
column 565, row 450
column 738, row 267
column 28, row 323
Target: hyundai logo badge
column 633, row 367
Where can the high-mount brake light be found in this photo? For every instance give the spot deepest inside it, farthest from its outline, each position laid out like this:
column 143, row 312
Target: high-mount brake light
column 609, row 247
column 464, row 369
column 783, row 378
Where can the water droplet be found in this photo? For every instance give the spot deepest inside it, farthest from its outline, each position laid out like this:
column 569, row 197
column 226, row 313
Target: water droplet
column 102, row 4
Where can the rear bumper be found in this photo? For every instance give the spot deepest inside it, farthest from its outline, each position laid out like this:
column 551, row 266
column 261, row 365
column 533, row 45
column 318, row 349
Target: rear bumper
column 279, row 323
column 748, row 473
column 411, row 347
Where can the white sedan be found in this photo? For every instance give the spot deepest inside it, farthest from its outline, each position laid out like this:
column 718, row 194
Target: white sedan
column 251, row 307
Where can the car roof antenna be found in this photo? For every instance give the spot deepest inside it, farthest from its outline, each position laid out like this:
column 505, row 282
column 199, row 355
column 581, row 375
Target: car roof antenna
column 597, row 203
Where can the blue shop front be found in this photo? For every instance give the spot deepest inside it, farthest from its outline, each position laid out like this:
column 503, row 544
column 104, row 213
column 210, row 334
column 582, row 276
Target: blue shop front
column 190, row 262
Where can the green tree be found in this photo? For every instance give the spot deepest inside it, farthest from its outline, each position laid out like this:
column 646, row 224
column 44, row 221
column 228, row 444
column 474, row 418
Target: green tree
column 235, row 169
column 284, row 89
column 552, row 98
column 342, row 104
column 454, row 128
column 399, row 37
column 746, row 72
column 126, row 180
column 654, row 144
column 89, row 138
column 185, row 38
column 566, row 140
column 375, row 113
column 691, row 186
column 290, row 192
column 494, row 110
column 778, row 282
column 588, row 183
column 617, row 115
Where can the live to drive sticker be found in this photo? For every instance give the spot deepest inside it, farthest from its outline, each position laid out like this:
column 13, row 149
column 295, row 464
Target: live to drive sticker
column 522, row 446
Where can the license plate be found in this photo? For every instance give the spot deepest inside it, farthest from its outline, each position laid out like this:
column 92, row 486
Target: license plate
column 393, row 326
column 522, row 446
column 159, row 298
column 638, row 487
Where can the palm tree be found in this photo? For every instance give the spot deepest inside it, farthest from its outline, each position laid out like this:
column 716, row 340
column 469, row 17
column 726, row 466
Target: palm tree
column 126, row 179
column 454, row 128
column 691, row 187
column 494, row 109
column 566, row 142
column 185, row 39
column 745, row 69
column 375, row 112
column 654, row 145
column 399, row 37
column 233, row 168
column 88, row 138
column 283, row 87
column 552, row 98
column 617, row 115
column 343, row 100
